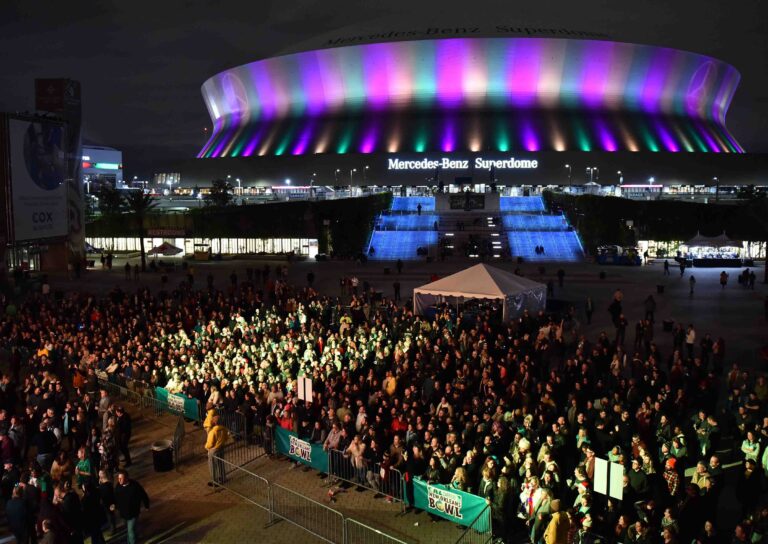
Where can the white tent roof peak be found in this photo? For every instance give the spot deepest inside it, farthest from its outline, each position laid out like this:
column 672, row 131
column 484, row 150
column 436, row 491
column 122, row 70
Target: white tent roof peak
column 480, row 281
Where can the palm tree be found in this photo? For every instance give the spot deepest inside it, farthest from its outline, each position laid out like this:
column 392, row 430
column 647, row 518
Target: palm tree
column 138, row 204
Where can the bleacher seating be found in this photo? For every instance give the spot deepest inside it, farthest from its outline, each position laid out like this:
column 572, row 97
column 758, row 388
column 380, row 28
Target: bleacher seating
column 534, row 222
column 411, row 203
column 558, row 246
column 408, row 222
column 391, row 245
column 521, row 204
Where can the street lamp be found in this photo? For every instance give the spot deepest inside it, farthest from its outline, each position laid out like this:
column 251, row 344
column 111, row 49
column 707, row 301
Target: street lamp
column 336, row 175
column 364, row 171
column 570, row 170
column 287, row 181
column 651, row 179
column 621, row 177
column 239, row 187
column 717, row 188
column 591, row 170
column 353, row 170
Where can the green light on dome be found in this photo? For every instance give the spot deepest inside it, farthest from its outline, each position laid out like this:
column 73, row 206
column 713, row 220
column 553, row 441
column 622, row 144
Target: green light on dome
column 582, row 138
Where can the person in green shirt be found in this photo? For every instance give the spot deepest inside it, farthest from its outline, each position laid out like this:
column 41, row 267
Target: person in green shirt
column 83, row 468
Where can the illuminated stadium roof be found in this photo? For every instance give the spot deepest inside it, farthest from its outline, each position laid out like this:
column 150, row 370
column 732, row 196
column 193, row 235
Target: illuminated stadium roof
column 473, row 94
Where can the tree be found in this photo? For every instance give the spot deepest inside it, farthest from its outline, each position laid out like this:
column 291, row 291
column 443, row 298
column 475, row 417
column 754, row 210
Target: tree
column 139, row 204
column 221, row 193
column 111, row 201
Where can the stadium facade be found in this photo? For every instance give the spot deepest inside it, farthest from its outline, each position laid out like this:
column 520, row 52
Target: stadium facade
column 464, row 102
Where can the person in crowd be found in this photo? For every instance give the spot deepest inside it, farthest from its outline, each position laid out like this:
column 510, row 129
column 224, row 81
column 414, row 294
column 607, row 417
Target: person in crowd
column 216, row 439
column 129, row 498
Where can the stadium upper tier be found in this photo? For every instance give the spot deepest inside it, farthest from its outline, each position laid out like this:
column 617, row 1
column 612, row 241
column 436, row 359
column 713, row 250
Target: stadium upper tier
column 473, row 94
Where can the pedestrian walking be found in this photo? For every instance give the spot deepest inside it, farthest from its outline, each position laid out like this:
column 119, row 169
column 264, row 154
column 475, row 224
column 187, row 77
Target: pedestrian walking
column 129, row 497
column 666, row 267
column 723, row 279
column 692, row 283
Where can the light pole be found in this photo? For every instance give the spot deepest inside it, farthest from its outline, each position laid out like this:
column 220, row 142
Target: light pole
column 621, row 177
column 570, row 171
column 717, row 188
column 351, row 171
column 591, row 170
column 364, row 172
column 239, row 187
column 336, row 175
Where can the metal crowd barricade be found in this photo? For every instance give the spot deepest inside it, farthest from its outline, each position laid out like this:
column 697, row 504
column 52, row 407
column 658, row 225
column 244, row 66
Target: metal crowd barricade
column 480, row 531
column 246, row 485
column 179, row 433
column 236, row 423
column 325, row 523
column 240, row 453
column 388, row 482
column 359, row 533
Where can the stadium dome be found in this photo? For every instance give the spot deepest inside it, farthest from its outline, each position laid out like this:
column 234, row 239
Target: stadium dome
column 472, row 95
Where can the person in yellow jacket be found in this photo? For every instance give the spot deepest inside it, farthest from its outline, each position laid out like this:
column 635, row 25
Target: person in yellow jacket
column 559, row 525
column 218, row 436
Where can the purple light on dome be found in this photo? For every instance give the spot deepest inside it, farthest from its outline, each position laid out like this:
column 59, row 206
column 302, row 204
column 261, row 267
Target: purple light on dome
column 704, row 133
column 303, row 143
column 233, row 125
column 523, row 67
column 449, row 136
column 369, row 140
column 217, row 124
column 666, row 137
column 312, row 85
column 449, row 62
column 377, row 77
column 263, row 85
column 594, row 77
column 607, row 141
column 655, row 79
column 254, row 141
column 530, row 141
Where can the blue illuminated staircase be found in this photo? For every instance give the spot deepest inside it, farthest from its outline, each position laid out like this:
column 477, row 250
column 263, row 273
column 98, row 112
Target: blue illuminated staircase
column 403, row 233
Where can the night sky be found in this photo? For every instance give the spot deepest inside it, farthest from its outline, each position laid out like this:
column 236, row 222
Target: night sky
column 141, row 63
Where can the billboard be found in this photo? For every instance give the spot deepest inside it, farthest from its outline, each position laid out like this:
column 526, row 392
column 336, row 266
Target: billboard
column 38, row 179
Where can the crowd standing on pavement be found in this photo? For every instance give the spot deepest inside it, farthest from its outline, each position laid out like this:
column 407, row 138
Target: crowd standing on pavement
column 515, row 412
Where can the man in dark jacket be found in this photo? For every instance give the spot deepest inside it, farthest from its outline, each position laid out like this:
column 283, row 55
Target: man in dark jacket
column 129, row 496
column 19, row 516
column 124, row 430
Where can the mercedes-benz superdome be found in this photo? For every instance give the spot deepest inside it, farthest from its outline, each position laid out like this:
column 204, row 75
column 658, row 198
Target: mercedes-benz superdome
column 504, row 100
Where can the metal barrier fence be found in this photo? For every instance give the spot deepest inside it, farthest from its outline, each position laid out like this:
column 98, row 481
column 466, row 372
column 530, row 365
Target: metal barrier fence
column 135, row 393
column 388, row 482
column 317, row 519
column 480, row 531
column 246, row 485
column 359, row 533
column 178, row 441
column 281, row 503
column 242, row 452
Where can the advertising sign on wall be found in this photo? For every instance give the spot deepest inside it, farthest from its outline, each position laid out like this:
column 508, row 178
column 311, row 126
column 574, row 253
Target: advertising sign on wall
column 38, row 175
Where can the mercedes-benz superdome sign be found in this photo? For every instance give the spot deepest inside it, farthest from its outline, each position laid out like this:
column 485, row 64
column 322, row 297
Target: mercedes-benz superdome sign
column 448, row 163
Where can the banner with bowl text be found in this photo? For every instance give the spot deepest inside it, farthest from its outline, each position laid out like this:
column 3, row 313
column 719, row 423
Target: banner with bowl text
column 178, row 403
column 305, row 452
column 451, row 504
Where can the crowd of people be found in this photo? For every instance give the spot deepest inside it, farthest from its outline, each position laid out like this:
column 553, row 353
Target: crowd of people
column 515, row 412
column 61, row 439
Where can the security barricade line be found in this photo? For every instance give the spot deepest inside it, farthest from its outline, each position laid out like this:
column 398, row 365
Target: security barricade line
column 479, row 531
column 317, row 519
column 360, row 533
column 383, row 480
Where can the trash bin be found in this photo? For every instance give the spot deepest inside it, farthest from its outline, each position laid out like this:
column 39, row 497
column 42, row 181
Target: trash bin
column 668, row 323
column 162, row 455
column 660, row 289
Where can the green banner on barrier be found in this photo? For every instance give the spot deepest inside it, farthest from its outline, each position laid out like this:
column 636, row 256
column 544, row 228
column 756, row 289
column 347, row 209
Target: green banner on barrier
column 451, row 504
column 178, row 403
column 310, row 454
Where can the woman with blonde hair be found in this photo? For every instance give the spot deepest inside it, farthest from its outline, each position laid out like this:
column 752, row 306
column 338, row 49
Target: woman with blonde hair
column 459, row 480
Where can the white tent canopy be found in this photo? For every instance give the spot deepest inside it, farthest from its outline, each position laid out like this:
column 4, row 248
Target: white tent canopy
column 484, row 282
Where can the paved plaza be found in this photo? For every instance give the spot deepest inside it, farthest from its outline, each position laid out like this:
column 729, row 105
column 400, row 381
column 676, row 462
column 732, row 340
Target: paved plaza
column 184, row 509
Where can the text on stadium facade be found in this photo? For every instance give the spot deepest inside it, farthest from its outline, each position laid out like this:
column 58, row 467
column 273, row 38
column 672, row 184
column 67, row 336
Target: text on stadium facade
column 462, row 164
